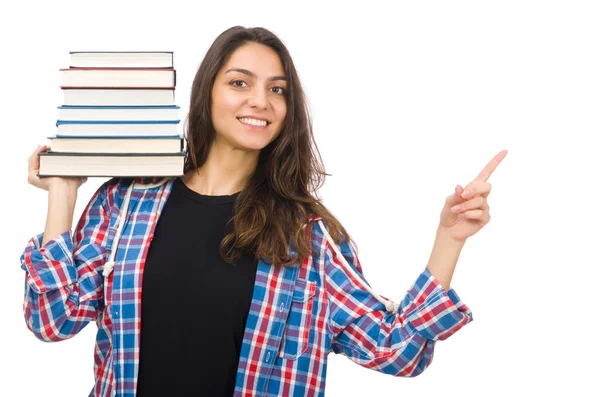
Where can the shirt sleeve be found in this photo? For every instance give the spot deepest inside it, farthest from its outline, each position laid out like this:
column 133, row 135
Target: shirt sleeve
column 399, row 343
column 63, row 279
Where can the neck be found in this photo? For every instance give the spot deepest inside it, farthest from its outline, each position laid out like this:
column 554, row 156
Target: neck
column 226, row 171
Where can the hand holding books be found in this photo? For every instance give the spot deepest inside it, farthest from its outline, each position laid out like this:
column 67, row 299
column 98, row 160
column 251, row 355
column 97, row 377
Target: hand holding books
column 47, row 183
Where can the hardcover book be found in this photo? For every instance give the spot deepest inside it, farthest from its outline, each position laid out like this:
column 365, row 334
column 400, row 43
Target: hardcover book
column 111, row 164
column 118, row 77
column 111, row 144
column 117, row 128
column 140, row 96
column 129, row 113
column 121, row 59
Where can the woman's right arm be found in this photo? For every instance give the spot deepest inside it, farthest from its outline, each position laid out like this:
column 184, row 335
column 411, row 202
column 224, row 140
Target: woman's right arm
column 63, row 273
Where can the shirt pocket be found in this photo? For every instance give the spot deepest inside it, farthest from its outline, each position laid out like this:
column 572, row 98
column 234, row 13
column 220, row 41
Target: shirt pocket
column 296, row 333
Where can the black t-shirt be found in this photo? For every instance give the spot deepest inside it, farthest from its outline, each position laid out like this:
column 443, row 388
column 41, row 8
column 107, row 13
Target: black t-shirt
column 194, row 305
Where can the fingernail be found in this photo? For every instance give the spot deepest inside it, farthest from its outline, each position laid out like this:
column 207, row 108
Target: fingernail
column 466, row 194
column 455, row 208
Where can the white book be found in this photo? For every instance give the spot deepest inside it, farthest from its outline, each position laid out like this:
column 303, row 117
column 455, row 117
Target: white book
column 171, row 144
column 118, row 97
column 123, row 128
column 118, row 113
column 88, row 77
column 123, row 59
column 111, row 165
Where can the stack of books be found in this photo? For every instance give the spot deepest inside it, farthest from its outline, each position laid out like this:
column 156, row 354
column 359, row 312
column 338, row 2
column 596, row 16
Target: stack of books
column 118, row 118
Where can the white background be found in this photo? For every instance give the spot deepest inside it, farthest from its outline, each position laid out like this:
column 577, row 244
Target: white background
column 407, row 102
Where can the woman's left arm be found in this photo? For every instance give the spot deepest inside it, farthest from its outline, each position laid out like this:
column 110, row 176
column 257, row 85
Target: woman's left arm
column 375, row 333
column 399, row 339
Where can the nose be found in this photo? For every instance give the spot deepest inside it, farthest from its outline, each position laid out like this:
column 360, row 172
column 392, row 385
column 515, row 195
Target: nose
column 258, row 98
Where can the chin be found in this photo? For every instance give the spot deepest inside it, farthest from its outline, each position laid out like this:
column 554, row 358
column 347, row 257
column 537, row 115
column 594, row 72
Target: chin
column 251, row 144
column 253, row 141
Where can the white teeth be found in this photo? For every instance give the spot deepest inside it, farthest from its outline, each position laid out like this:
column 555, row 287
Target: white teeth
column 258, row 123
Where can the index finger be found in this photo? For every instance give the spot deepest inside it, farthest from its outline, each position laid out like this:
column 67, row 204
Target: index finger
column 491, row 166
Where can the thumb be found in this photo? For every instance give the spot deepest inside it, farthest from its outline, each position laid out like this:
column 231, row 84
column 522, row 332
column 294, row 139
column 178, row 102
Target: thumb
column 458, row 191
column 455, row 198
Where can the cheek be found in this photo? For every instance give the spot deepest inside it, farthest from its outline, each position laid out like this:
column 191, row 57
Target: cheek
column 223, row 104
column 281, row 111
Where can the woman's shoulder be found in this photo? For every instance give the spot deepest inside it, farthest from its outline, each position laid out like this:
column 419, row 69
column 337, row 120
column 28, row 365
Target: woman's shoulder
column 115, row 189
column 138, row 182
column 127, row 181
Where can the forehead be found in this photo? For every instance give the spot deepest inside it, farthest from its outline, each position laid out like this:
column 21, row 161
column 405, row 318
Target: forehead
column 260, row 59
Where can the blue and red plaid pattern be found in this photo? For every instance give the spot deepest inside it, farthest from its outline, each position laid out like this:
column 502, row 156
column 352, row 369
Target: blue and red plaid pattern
column 297, row 316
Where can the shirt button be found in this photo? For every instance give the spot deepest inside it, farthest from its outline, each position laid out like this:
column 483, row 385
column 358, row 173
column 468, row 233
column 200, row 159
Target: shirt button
column 268, row 358
column 116, row 314
column 281, row 307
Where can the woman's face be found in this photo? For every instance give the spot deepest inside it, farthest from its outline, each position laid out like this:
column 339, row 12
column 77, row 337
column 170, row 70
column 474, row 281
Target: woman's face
column 248, row 98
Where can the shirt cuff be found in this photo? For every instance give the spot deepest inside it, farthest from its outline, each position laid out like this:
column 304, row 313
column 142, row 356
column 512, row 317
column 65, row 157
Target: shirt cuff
column 49, row 267
column 434, row 312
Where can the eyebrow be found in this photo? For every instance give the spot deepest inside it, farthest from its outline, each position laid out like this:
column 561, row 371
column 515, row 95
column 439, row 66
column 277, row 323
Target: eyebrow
column 249, row 73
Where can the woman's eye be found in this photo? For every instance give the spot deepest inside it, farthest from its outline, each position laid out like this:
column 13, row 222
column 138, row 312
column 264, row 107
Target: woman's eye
column 238, row 83
column 279, row 90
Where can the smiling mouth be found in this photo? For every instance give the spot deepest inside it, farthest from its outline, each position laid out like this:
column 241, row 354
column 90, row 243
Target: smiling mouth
column 253, row 122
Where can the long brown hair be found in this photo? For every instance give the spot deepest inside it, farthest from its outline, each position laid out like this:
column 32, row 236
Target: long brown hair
column 274, row 207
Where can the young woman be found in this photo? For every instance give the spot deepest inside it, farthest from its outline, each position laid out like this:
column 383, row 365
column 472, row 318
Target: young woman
column 248, row 280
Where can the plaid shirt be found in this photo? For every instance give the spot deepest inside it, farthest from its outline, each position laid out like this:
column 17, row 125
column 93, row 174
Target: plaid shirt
column 297, row 316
